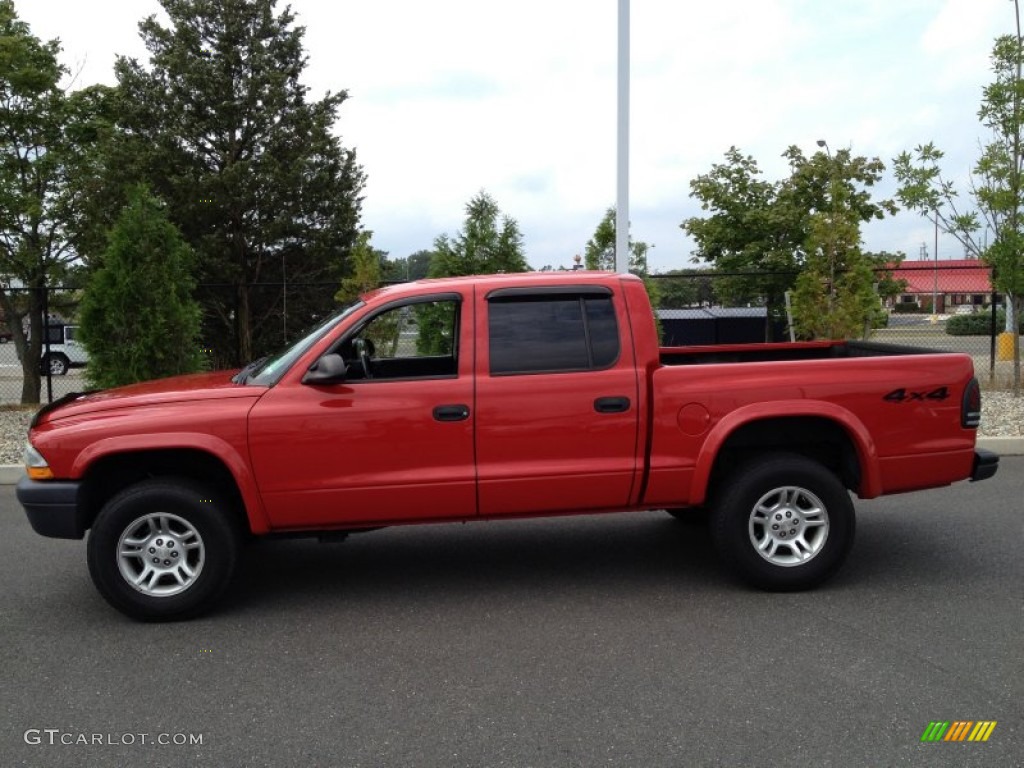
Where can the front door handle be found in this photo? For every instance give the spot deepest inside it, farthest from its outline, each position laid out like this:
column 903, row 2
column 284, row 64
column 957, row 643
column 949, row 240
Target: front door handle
column 611, row 404
column 456, row 412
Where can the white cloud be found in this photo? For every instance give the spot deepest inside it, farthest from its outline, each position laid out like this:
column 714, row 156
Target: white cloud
column 452, row 96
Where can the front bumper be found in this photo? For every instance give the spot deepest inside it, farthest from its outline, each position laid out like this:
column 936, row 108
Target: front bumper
column 985, row 464
column 53, row 507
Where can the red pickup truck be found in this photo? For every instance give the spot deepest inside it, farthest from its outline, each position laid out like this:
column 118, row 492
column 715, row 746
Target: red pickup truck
column 492, row 397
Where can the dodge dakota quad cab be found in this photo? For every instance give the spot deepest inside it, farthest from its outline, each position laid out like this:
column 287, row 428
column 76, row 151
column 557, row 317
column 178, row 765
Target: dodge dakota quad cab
column 489, row 397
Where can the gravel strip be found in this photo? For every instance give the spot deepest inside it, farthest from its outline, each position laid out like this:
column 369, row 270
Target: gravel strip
column 1002, row 415
column 13, row 431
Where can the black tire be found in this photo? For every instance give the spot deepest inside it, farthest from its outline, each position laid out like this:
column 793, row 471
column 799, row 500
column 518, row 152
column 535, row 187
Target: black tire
column 783, row 523
column 57, row 364
column 187, row 531
column 696, row 516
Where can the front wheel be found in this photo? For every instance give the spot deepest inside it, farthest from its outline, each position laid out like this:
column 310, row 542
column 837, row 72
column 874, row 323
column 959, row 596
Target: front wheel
column 695, row 516
column 162, row 550
column 783, row 522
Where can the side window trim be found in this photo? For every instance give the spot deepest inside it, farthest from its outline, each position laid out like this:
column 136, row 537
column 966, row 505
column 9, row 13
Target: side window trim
column 567, row 291
column 586, row 334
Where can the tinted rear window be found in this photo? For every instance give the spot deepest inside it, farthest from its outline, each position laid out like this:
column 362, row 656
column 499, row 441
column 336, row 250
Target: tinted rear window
column 552, row 334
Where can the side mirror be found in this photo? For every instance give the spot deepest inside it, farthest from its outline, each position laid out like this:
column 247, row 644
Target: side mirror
column 329, row 369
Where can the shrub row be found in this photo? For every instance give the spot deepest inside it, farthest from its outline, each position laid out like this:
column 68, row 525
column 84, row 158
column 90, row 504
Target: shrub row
column 978, row 325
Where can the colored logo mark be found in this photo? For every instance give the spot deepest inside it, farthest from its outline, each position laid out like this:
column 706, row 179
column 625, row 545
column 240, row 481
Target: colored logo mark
column 958, row 730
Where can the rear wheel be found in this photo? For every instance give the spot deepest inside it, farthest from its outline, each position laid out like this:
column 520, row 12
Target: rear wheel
column 57, row 364
column 163, row 549
column 783, row 522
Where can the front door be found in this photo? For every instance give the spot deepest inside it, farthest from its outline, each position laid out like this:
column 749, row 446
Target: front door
column 394, row 442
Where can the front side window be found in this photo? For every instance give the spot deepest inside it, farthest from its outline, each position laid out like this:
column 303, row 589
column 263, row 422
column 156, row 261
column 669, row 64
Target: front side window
column 416, row 340
column 55, row 334
column 552, row 333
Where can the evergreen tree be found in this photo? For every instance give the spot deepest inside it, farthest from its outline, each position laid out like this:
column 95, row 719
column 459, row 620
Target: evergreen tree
column 600, row 249
column 366, row 270
column 220, row 125
column 600, row 254
column 138, row 318
column 834, row 296
column 482, row 247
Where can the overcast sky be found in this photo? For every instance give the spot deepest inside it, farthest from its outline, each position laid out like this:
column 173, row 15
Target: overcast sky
column 449, row 97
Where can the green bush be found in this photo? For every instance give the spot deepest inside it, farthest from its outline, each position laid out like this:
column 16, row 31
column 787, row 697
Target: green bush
column 979, row 324
column 907, row 308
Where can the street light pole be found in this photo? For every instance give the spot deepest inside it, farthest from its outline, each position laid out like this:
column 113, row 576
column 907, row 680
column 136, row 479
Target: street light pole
column 622, row 204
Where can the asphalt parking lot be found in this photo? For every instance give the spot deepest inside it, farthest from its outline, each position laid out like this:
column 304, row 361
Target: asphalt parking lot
column 615, row 640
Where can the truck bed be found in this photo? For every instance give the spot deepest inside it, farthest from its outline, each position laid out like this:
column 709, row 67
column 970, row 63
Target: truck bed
column 809, row 350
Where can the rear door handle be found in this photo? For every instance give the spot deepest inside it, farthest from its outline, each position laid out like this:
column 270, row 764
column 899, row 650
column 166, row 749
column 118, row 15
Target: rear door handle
column 611, row 404
column 456, row 412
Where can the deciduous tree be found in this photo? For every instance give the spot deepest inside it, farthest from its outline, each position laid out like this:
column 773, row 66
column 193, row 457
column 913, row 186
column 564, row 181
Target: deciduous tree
column 995, row 199
column 47, row 143
column 761, row 234
column 416, row 266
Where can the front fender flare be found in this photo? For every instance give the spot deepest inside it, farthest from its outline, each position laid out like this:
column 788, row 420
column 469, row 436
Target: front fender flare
column 195, row 441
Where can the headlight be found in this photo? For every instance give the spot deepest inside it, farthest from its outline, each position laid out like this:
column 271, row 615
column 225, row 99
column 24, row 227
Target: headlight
column 35, row 464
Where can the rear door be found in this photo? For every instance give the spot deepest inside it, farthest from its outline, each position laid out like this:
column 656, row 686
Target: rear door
column 557, row 401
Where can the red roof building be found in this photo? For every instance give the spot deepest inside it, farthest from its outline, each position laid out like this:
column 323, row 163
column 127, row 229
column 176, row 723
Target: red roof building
column 954, row 282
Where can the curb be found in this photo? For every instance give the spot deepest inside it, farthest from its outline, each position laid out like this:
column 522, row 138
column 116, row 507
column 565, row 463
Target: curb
column 1004, row 446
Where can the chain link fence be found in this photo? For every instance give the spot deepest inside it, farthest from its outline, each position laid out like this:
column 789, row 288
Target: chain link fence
column 61, row 358
column 945, row 305
column 238, row 325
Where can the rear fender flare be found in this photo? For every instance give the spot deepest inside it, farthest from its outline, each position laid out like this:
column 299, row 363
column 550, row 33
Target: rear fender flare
column 864, row 444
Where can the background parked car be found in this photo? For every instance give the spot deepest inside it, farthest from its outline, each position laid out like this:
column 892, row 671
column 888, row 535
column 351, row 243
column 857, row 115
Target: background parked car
column 65, row 351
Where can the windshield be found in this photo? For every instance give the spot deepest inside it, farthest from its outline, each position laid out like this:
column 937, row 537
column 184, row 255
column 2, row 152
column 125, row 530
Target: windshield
column 270, row 369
